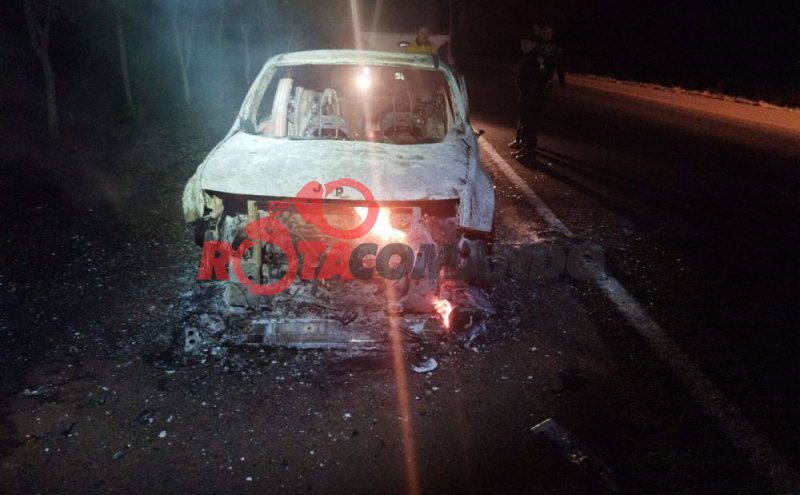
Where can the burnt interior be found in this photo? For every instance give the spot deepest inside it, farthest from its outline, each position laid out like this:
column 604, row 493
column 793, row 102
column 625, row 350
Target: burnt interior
column 397, row 105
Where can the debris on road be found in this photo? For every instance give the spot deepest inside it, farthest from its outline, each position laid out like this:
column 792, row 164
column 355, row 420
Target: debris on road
column 425, row 366
column 476, row 330
column 67, row 430
column 573, row 451
column 145, row 418
column 36, row 392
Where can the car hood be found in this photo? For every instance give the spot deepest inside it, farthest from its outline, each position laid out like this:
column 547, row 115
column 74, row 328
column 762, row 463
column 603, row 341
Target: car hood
column 255, row 165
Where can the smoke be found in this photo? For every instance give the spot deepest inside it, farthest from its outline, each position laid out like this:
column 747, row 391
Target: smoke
column 223, row 44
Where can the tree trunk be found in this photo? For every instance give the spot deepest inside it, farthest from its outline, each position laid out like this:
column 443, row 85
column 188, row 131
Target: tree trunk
column 183, row 45
column 187, row 91
column 40, row 39
column 246, row 40
column 290, row 38
column 123, row 59
column 221, row 25
column 270, row 49
column 52, row 104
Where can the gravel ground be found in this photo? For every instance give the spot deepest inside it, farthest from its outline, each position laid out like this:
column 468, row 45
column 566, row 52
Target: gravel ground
column 100, row 273
column 100, row 282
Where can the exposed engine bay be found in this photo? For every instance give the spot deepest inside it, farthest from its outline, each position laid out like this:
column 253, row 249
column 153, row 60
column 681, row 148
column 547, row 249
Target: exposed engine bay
column 403, row 271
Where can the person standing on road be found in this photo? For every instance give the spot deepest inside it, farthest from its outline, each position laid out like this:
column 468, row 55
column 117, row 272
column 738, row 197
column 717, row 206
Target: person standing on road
column 422, row 43
column 424, row 83
column 541, row 58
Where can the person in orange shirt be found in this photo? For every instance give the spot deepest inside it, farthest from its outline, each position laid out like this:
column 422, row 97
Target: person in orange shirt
column 422, row 44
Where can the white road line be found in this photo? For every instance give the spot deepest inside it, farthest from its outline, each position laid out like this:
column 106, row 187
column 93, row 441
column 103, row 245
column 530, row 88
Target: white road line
column 541, row 208
column 761, row 455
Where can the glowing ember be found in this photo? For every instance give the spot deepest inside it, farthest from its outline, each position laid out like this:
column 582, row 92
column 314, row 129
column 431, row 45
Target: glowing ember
column 444, row 308
column 383, row 227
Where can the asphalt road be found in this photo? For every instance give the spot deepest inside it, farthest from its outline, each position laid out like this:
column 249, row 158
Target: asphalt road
column 695, row 217
column 695, row 203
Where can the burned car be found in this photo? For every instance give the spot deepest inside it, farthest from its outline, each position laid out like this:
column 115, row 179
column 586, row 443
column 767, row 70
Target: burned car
column 349, row 189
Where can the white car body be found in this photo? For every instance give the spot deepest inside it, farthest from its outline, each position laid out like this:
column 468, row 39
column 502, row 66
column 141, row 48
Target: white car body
column 250, row 164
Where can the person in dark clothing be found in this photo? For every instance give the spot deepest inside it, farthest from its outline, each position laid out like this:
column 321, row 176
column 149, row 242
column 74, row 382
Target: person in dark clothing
column 526, row 72
column 541, row 59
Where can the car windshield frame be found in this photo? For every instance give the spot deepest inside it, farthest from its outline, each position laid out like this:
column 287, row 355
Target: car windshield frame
column 404, row 117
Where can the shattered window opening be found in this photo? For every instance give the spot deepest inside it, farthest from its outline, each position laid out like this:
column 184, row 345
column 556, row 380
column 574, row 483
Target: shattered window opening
column 386, row 104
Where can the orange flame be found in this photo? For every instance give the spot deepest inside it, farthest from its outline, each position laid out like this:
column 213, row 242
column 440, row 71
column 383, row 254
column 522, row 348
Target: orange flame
column 383, row 226
column 444, row 308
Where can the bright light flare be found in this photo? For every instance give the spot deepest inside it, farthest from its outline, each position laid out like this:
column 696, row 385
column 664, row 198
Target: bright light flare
column 364, row 81
column 383, row 226
column 445, row 309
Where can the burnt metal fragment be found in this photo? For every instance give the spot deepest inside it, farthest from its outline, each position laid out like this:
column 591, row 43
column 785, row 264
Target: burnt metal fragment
column 571, row 449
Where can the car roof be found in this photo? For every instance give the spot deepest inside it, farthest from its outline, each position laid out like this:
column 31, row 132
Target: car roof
column 360, row 57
